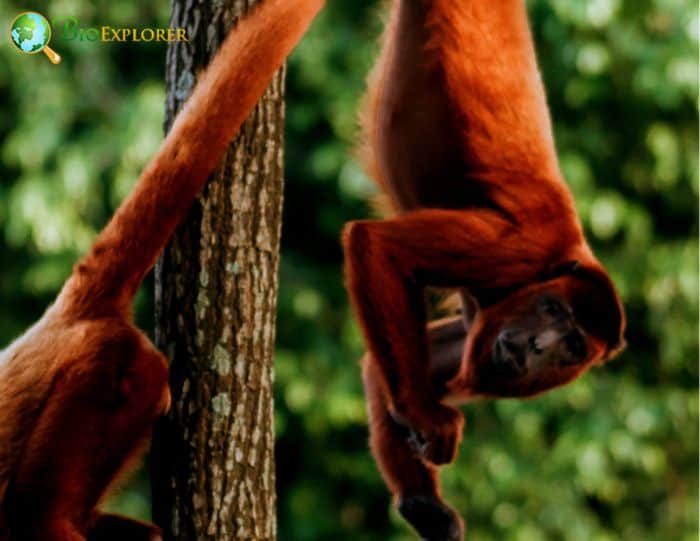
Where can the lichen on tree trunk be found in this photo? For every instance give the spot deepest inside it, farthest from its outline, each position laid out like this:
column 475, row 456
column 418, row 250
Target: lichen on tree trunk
column 216, row 294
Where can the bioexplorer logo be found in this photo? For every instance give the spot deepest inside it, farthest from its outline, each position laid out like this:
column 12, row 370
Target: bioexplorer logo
column 71, row 31
column 30, row 33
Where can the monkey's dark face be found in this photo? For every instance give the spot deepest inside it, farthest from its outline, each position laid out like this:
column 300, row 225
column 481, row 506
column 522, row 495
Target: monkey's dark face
column 546, row 336
column 528, row 343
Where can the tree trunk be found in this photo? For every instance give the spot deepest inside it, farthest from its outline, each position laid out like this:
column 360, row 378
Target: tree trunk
column 216, row 294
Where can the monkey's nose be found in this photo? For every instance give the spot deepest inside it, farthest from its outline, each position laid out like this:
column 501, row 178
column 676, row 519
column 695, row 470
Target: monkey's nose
column 509, row 350
column 507, row 343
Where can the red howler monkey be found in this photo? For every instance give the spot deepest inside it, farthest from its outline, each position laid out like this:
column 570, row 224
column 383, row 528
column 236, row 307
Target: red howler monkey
column 81, row 389
column 458, row 136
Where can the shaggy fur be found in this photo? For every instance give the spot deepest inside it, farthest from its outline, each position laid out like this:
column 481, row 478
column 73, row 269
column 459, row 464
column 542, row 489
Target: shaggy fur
column 81, row 389
column 458, row 137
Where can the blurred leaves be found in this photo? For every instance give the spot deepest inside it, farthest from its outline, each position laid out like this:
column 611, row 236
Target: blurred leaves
column 611, row 457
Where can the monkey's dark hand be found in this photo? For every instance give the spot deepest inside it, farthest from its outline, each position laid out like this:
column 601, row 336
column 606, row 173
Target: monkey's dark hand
column 434, row 432
column 432, row 518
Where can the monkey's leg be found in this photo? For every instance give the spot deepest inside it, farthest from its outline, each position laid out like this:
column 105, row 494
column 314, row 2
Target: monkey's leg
column 97, row 417
column 108, row 527
column 388, row 265
column 446, row 338
column 413, row 481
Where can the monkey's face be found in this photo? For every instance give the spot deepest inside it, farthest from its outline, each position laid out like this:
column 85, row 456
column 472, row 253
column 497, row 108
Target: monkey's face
column 547, row 335
column 541, row 347
column 541, row 337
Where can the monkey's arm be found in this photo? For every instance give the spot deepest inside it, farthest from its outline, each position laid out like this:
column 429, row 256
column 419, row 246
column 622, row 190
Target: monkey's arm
column 414, row 482
column 237, row 77
column 446, row 339
column 389, row 263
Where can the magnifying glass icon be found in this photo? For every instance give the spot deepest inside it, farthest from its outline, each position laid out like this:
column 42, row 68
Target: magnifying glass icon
column 30, row 33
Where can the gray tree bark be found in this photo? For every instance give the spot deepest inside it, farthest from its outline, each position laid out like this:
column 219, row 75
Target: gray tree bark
column 216, row 295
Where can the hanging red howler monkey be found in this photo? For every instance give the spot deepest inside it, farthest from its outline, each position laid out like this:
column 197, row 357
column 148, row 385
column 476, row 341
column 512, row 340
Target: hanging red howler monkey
column 457, row 134
column 81, row 389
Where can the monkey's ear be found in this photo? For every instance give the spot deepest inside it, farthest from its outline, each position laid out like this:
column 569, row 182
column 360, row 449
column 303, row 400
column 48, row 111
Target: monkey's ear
column 598, row 307
column 615, row 350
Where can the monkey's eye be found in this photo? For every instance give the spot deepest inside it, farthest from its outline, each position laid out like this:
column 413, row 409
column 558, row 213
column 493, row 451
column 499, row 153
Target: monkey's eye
column 534, row 346
column 576, row 344
column 552, row 307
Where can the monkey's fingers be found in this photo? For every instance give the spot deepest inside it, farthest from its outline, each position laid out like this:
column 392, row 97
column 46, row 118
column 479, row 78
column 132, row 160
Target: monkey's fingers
column 441, row 449
column 418, row 443
column 443, row 441
column 438, row 449
column 435, row 435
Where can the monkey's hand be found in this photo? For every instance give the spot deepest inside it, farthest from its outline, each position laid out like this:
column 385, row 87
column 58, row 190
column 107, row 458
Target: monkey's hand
column 435, row 431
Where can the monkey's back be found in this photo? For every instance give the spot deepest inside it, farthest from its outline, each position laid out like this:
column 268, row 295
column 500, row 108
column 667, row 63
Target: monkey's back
column 436, row 133
column 25, row 380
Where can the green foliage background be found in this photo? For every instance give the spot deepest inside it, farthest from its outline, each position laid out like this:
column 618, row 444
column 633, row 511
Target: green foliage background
column 612, row 456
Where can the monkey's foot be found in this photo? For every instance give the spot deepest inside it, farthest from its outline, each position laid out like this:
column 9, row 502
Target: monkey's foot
column 432, row 519
column 109, row 527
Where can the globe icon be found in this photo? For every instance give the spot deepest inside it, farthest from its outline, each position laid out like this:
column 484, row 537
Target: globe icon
column 30, row 33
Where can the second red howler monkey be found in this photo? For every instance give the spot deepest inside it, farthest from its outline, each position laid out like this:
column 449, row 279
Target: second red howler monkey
column 457, row 135
column 81, row 389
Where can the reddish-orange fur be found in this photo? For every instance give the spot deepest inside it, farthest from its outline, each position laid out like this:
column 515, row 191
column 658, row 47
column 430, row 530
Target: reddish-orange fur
column 81, row 389
column 458, row 136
